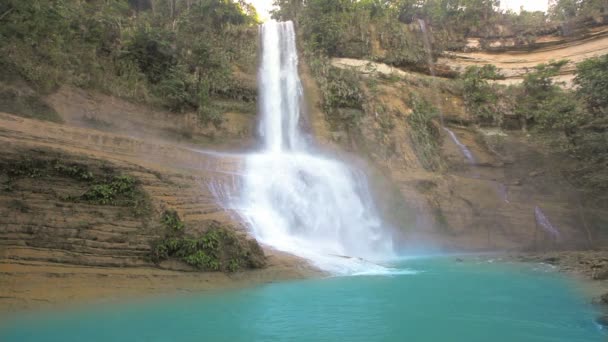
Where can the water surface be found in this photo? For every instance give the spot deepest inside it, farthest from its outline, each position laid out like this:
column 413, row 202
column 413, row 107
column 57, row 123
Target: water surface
column 444, row 300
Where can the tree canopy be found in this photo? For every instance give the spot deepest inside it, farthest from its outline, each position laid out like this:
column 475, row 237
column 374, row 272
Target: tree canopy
column 174, row 53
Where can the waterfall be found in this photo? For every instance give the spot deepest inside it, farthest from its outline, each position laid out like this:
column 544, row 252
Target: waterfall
column 465, row 150
column 427, row 46
column 545, row 224
column 295, row 200
column 429, row 56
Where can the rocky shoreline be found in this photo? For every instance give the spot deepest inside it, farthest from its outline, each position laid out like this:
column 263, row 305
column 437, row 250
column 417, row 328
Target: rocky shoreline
column 33, row 286
column 588, row 266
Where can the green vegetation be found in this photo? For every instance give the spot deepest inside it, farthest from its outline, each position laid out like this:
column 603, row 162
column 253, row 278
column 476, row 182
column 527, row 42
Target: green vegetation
column 592, row 81
column 424, row 133
column 170, row 219
column 75, row 171
column 537, row 102
column 343, row 97
column 388, row 31
column 104, row 187
column 576, row 121
column 217, row 249
column 29, row 106
column 37, row 167
column 576, row 10
column 589, row 139
column 480, row 96
column 117, row 190
column 544, row 103
column 347, row 28
column 177, row 54
column 124, row 191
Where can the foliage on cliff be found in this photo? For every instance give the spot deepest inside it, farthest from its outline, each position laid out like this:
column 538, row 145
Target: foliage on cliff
column 424, row 133
column 177, row 53
column 347, row 28
column 391, row 32
column 217, row 248
column 590, row 141
column 575, row 120
column 592, row 81
column 102, row 186
column 480, row 96
column 342, row 96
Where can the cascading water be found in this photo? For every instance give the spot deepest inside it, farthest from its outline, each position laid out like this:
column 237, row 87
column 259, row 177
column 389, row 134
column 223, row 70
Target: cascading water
column 465, row 150
column 297, row 202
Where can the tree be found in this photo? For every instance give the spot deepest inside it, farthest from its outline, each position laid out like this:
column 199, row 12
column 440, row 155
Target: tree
column 546, row 104
column 592, row 81
column 564, row 10
column 481, row 97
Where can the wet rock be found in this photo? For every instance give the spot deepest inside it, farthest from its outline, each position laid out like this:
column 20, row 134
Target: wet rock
column 600, row 273
column 603, row 320
column 551, row 260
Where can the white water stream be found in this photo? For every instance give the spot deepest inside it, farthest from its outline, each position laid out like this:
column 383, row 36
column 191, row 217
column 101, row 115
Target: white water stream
column 295, row 200
column 463, row 148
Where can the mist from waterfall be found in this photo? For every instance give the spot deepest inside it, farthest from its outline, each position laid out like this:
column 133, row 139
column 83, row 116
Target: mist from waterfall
column 295, row 200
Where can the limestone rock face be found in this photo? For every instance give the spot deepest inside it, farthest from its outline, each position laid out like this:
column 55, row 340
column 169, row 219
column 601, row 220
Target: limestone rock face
column 486, row 205
column 45, row 215
column 67, row 234
column 514, row 58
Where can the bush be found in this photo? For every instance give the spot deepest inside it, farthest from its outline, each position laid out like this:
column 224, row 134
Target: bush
column 424, row 133
column 481, row 97
column 404, row 46
column 118, row 190
column 173, row 56
column 170, row 219
column 151, row 50
column 343, row 97
column 592, row 81
column 579, row 117
column 217, row 249
column 544, row 103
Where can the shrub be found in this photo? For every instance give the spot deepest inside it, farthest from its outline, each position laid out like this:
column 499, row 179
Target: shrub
column 592, row 81
column 166, row 56
column 341, row 90
column 424, row 133
column 170, row 219
column 117, row 190
column 543, row 102
column 481, row 97
column 217, row 249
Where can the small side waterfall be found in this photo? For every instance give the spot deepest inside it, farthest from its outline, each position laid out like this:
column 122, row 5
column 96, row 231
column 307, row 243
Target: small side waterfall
column 298, row 202
column 429, row 52
column 427, row 46
column 545, row 224
column 429, row 56
column 463, row 148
